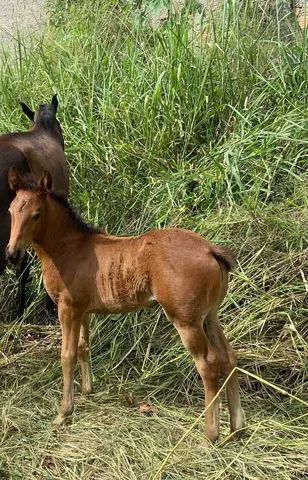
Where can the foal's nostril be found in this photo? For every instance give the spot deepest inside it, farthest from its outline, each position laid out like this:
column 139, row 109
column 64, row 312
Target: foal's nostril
column 13, row 256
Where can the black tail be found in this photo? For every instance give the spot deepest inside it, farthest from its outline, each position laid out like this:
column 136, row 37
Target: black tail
column 225, row 256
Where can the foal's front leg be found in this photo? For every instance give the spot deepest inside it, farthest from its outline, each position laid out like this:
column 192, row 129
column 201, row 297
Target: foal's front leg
column 70, row 324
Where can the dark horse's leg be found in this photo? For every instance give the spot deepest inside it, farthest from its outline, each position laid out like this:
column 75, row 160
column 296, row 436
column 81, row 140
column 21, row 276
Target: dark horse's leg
column 50, row 306
column 22, row 273
column 3, row 241
column 22, row 270
column 2, row 264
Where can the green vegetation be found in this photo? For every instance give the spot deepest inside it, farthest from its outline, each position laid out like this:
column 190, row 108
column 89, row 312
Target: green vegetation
column 204, row 130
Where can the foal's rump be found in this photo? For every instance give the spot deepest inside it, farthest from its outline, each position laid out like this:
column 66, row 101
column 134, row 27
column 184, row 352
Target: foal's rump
column 186, row 270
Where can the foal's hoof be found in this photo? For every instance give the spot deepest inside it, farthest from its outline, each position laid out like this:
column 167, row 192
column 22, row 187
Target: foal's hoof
column 238, row 428
column 59, row 420
column 86, row 390
column 211, row 438
column 236, row 434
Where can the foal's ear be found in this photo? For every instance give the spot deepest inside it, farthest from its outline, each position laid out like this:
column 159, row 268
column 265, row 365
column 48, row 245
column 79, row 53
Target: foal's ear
column 54, row 102
column 27, row 110
column 14, row 179
column 45, row 183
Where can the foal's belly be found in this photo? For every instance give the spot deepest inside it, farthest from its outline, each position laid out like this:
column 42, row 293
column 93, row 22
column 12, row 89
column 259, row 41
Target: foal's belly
column 123, row 304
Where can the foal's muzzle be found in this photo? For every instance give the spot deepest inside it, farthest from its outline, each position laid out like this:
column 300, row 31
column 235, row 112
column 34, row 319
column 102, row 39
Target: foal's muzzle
column 14, row 256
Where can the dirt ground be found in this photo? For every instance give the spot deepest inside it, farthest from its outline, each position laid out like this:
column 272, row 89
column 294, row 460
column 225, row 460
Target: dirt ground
column 19, row 15
column 27, row 15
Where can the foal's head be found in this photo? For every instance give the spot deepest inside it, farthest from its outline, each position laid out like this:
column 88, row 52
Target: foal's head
column 27, row 211
column 45, row 117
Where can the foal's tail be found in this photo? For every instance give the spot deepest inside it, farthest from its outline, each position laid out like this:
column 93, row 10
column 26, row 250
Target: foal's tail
column 225, row 256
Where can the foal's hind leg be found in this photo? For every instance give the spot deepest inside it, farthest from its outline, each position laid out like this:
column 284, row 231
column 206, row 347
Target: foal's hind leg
column 227, row 360
column 83, row 356
column 194, row 339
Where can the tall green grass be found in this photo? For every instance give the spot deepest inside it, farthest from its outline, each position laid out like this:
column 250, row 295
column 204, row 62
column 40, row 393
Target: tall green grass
column 205, row 130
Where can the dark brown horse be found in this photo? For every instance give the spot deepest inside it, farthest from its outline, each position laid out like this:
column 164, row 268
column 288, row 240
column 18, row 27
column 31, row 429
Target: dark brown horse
column 34, row 151
column 85, row 270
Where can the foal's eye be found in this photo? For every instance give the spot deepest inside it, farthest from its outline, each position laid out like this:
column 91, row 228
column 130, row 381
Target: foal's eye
column 36, row 216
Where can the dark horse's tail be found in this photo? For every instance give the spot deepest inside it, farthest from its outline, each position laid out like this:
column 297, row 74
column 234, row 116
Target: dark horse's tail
column 225, row 256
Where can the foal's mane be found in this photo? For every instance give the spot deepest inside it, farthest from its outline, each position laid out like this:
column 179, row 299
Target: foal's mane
column 74, row 215
column 29, row 183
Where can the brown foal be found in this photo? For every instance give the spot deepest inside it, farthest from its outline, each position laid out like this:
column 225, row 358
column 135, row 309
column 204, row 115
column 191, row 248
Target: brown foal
column 85, row 270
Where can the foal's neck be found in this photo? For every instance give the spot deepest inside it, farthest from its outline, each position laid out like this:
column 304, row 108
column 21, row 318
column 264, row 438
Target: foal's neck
column 58, row 230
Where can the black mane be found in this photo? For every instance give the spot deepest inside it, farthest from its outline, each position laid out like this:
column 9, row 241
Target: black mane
column 47, row 116
column 74, row 215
